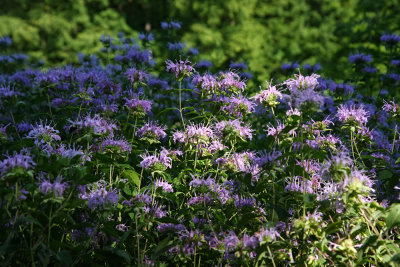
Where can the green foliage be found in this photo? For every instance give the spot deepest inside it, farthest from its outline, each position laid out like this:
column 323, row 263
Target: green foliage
column 261, row 33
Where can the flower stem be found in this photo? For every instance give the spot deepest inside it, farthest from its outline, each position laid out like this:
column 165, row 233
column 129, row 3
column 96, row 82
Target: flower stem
column 180, row 104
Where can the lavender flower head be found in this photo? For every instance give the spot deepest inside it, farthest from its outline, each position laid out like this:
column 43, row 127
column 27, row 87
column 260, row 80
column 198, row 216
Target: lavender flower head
column 152, row 131
column 95, row 123
column 233, row 128
column 99, row 197
column 21, row 159
column 135, row 75
column 268, row 97
column 390, row 39
column 166, row 187
column 138, row 106
column 349, row 114
column 391, row 107
column 180, row 68
column 156, row 162
column 300, row 82
column 195, row 134
column 360, row 58
column 58, row 187
column 237, row 106
column 43, row 133
column 120, row 145
column 230, row 82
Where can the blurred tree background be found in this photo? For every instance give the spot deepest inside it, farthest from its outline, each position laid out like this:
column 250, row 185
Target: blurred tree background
column 262, row 33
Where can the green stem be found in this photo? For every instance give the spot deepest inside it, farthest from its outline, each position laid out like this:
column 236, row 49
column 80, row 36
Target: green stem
column 394, row 138
column 134, row 129
column 180, row 104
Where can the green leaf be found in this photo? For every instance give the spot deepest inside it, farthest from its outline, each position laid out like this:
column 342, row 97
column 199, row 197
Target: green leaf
column 132, row 176
column 393, row 218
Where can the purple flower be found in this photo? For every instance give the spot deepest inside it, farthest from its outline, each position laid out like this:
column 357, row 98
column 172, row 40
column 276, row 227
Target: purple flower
column 230, row 82
column 268, row 97
column 171, row 25
column 7, row 91
column 233, row 127
column 238, row 66
column 22, row 159
column 391, row 107
column 390, row 39
column 370, row 70
column 201, row 199
column 195, row 134
column 207, row 82
column 45, row 186
column 99, row 197
column 58, row 187
column 147, row 37
column 43, row 133
column 136, row 104
column 166, row 187
column 290, row 66
column 237, row 106
column 176, row 46
column 267, row 234
column 180, row 68
column 300, row 82
column 120, row 144
column 360, row 58
column 312, row 68
column 135, row 75
column 204, row 64
column 95, row 123
column 155, row 210
column 347, row 114
column 299, row 184
column 152, row 130
column 157, row 83
column 250, row 242
column 156, row 162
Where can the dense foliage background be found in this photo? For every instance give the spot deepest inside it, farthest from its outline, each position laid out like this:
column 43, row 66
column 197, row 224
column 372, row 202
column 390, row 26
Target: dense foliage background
column 264, row 34
column 160, row 144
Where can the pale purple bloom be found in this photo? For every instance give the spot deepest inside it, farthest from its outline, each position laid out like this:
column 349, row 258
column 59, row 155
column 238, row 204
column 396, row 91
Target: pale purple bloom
column 121, row 144
column 171, row 25
column 346, row 114
column 299, row 184
column 391, row 107
column 216, row 146
column 166, row 187
column 206, row 82
column 267, row 234
column 43, row 133
column 99, row 197
column 180, row 68
column 22, row 159
column 195, row 133
column 250, row 242
column 291, row 112
column 135, row 75
column 224, row 128
column 7, row 91
column 237, row 106
column 152, row 130
column 231, row 241
column 149, row 161
column 137, row 104
column 275, row 131
column 230, row 81
column 201, row 199
column 95, row 123
column 155, row 210
column 58, row 187
column 301, row 82
column 268, row 97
